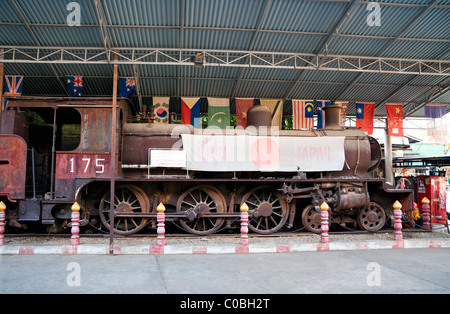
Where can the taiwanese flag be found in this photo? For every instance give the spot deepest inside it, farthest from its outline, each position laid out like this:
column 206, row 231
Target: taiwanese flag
column 190, row 111
column 75, row 85
column 364, row 117
column 395, row 119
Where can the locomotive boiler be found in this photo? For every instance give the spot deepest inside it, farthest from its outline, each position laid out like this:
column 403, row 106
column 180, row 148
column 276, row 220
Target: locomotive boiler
column 56, row 151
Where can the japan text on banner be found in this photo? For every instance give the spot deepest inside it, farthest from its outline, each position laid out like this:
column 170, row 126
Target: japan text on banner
column 242, row 106
column 344, row 106
column 127, row 85
column 435, row 110
column 276, row 110
column 218, row 112
column 394, row 114
column 190, row 111
column 321, row 113
column 75, row 85
column 161, row 109
column 260, row 153
column 13, row 86
column 364, row 116
column 302, row 114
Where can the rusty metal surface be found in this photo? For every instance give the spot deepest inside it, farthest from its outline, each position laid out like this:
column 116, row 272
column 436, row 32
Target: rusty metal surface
column 259, row 116
column 13, row 165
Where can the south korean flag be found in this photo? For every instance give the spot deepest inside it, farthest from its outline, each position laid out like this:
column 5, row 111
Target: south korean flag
column 161, row 109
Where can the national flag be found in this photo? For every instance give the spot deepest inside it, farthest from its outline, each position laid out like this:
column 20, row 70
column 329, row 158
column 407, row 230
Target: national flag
column 302, row 114
column 161, row 109
column 395, row 119
column 127, row 85
column 364, row 116
column 276, row 110
column 242, row 106
column 75, row 85
column 13, row 86
column 344, row 106
column 321, row 113
column 218, row 112
column 190, row 111
column 435, row 110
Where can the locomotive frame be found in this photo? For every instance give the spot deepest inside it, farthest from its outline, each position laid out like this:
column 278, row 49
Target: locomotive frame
column 40, row 180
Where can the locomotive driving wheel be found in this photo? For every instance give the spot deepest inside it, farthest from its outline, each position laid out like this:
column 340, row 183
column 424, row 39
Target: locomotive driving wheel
column 312, row 220
column 267, row 210
column 127, row 199
column 199, row 204
column 372, row 218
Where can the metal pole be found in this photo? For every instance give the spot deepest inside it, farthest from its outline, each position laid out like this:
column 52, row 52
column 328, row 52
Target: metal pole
column 388, row 169
column 2, row 79
column 113, row 157
column 52, row 176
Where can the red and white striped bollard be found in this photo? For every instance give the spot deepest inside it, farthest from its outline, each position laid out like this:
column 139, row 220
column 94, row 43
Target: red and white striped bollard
column 2, row 222
column 244, row 224
column 398, row 235
column 75, row 238
column 161, row 218
column 324, row 222
column 426, row 213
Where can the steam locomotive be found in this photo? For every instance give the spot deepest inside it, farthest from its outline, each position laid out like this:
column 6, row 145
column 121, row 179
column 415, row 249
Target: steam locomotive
column 57, row 151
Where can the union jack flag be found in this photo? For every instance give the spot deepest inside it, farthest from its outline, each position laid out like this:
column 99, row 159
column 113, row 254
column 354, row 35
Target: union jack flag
column 13, row 86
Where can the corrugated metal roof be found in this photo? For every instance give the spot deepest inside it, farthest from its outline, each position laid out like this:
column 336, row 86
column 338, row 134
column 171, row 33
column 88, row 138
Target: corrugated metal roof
column 409, row 29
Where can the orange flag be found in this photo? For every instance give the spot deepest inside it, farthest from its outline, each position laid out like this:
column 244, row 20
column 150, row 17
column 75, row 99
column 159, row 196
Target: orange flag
column 395, row 119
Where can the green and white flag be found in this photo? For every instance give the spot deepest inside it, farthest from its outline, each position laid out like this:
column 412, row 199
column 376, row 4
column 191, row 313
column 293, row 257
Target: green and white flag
column 219, row 112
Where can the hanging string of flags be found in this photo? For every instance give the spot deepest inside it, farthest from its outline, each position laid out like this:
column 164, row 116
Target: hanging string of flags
column 303, row 117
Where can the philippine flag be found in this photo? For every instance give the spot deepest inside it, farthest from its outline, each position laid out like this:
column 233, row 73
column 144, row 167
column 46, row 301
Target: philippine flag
column 190, row 111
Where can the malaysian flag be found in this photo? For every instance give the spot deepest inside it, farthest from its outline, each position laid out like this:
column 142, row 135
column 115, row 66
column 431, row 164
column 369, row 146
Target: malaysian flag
column 75, row 85
column 13, row 86
column 302, row 114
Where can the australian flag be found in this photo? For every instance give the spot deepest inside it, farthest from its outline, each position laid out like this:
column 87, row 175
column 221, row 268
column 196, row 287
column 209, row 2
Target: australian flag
column 127, row 86
column 75, row 85
column 13, row 86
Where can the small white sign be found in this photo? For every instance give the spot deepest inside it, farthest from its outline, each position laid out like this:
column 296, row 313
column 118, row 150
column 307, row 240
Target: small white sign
column 168, row 158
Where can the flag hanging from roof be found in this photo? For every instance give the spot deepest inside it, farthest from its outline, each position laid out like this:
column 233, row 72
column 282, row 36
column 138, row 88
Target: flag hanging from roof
column 364, row 116
column 13, row 86
column 218, row 112
column 394, row 114
column 276, row 110
column 75, row 85
column 190, row 111
column 321, row 113
column 127, row 85
column 435, row 110
column 161, row 109
column 344, row 106
column 242, row 106
column 302, row 114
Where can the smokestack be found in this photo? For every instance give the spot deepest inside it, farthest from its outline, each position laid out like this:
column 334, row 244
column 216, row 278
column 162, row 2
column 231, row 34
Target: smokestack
column 333, row 117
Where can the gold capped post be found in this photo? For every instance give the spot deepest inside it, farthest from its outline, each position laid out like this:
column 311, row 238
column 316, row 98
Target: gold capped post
column 244, row 207
column 2, row 206
column 161, row 208
column 75, row 207
column 397, row 205
column 425, row 200
column 324, row 206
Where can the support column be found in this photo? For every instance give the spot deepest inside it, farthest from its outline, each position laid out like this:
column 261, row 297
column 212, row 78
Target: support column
column 388, row 169
column 2, row 82
column 113, row 157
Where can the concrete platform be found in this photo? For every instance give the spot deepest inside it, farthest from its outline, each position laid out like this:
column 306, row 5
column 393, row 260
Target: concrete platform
column 222, row 248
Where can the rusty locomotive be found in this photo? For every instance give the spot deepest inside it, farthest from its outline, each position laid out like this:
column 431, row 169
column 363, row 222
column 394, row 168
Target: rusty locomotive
column 56, row 151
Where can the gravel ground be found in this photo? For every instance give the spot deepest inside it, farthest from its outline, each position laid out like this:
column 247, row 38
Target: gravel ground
column 48, row 240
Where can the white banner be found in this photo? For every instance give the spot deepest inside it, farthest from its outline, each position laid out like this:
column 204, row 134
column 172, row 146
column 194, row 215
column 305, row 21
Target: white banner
column 262, row 153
